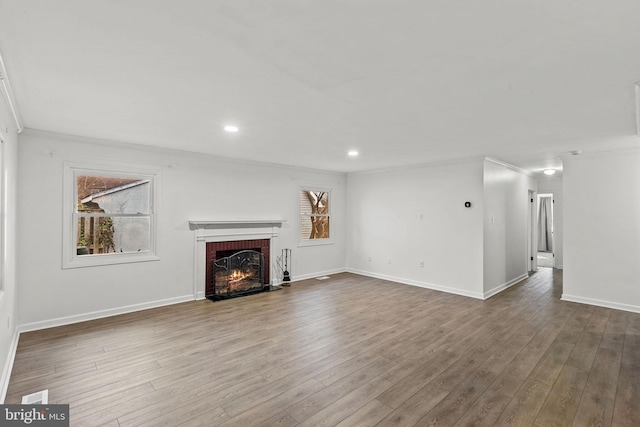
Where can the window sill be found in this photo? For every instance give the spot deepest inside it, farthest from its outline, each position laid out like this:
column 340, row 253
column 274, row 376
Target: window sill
column 315, row 242
column 108, row 259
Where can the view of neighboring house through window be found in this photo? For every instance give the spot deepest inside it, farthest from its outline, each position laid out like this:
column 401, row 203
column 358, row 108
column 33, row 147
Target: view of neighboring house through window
column 315, row 214
column 113, row 214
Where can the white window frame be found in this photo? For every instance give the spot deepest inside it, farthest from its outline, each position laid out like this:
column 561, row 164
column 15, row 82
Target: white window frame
column 315, row 242
column 70, row 258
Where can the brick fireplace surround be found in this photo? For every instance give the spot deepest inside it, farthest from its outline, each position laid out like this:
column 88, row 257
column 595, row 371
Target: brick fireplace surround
column 210, row 235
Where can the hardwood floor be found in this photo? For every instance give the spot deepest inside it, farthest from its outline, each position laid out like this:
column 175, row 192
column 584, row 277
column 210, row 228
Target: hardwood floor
column 348, row 351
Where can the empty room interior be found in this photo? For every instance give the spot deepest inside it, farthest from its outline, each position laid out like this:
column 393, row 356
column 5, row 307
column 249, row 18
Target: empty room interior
column 321, row 213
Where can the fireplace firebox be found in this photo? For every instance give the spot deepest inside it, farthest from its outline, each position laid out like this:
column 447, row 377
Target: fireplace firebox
column 216, row 251
column 239, row 273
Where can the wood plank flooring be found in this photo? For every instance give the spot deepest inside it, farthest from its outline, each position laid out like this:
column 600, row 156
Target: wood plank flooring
column 347, row 351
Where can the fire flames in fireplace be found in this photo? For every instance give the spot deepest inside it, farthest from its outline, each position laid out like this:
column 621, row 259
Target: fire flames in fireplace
column 237, row 276
column 238, row 280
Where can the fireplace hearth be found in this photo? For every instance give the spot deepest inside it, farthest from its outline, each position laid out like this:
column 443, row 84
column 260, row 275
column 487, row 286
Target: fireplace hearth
column 240, row 273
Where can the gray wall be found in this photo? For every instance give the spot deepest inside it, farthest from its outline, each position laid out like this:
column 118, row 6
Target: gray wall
column 415, row 215
column 602, row 229
column 506, row 201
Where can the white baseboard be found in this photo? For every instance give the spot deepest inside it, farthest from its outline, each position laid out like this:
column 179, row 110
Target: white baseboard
column 312, row 275
column 504, row 286
column 601, row 303
column 447, row 289
column 8, row 366
column 60, row 321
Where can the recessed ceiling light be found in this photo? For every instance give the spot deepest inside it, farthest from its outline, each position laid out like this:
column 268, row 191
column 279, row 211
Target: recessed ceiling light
column 549, row 171
column 352, row 153
column 231, row 128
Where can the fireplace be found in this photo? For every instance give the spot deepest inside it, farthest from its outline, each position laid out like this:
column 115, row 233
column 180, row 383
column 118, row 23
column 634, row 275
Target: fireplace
column 239, row 273
column 213, row 236
column 237, row 268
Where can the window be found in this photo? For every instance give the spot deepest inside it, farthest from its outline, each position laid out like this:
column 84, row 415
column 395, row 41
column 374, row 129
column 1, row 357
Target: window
column 110, row 217
column 315, row 216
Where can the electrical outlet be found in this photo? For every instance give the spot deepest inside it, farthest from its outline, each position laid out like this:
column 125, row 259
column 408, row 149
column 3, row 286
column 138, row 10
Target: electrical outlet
column 369, row 259
column 421, row 264
column 389, row 261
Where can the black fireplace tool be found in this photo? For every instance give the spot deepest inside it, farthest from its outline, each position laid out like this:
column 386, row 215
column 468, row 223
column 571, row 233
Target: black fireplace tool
column 286, row 277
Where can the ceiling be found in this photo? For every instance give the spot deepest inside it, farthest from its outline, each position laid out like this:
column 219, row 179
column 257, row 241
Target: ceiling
column 403, row 82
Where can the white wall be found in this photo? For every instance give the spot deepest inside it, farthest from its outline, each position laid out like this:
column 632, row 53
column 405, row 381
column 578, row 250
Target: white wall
column 8, row 294
column 506, row 201
column 418, row 214
column 553, row 184
column 191, row 187
column 602, row 229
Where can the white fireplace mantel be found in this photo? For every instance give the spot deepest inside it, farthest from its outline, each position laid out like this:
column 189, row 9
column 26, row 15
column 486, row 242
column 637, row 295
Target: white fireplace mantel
column 206, row 231
column 234, row 223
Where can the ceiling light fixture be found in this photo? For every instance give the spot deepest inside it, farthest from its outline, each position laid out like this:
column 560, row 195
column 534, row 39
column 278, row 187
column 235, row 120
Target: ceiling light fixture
column 549, row 171
column 231, row 128
column 352, row 153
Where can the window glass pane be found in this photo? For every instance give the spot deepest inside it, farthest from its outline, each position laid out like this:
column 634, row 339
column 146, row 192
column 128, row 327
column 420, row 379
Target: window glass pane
column 112, row 195
column 305, row 204
column 323, row 202
column 102, row 235
column 314, row 202
column 314, row 227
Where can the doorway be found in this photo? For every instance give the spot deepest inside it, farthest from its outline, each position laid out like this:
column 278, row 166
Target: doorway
column 546, row 242
column 531, row 229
